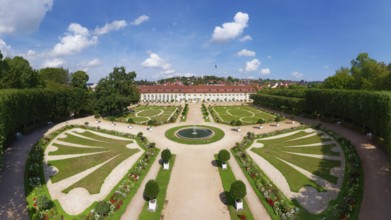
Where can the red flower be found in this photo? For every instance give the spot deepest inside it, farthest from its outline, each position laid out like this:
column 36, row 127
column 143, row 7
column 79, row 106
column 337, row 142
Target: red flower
column 117, row 207
column 35, row 204
column 271, row 202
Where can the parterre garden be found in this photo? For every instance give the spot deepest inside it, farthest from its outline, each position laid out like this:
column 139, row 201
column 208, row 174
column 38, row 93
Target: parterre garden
column 142, row 114
column 243, row 114
column 86, row 160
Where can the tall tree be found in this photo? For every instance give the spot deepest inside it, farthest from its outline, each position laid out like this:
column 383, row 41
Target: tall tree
column 79, row 79
column 341, row 80
column 55, row 77
column 115, row 92
column 3, row 70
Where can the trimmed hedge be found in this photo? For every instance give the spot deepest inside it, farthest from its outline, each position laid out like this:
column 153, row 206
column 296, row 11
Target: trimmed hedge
column 279, row 102
column 26, row 109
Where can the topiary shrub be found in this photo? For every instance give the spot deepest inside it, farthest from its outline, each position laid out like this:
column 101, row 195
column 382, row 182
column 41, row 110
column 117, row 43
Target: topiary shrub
column 151, row 190
column 238, row 190
column 43, row 203
column 130, row 120
column 260, row 121
column 102, row 208
column 166, row 155
column 224, row 155
column 278, row 118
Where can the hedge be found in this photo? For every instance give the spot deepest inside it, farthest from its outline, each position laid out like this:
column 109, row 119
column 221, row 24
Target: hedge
column 26, row 109
column 279, row 102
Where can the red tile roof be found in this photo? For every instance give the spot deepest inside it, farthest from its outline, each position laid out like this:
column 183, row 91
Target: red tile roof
column 196, row 89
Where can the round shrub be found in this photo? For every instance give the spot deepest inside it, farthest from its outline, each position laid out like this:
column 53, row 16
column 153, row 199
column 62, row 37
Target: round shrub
column 130, row 120
column 224, row 155
column 278, row 118
column 238, row 190
column 43, row 203
column 260, row 121
column 151, row 190
column 102, row 208
column 166, row 155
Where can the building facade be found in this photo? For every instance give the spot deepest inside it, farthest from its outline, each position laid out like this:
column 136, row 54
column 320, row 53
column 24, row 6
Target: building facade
column 197, row 93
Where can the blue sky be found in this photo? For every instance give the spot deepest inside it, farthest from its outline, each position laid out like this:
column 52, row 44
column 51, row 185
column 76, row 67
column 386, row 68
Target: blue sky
column 278, row 39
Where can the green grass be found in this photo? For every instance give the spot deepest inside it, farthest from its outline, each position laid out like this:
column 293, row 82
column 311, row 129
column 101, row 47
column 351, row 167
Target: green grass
column 170, row 134
column 283, row 148
column 227, row 178
column 112, row 151
column 142, row 114
column 245, row 114
column 163, row 179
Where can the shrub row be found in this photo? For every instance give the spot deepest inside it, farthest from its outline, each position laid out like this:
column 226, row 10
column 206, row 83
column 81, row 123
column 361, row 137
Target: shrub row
column 26, row 109
column 294, row 105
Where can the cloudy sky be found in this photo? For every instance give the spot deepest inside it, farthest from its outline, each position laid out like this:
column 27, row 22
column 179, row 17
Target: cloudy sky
column 279, row 39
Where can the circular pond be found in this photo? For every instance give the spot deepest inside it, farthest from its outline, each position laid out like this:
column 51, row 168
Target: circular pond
column 194, row 133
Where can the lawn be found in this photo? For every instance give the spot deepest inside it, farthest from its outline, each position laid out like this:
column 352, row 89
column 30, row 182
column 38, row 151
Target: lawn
column 163, row 179
column 142, row 114
column 245, row 114
column 102, row 150
column 304, row 150
column 227, row 178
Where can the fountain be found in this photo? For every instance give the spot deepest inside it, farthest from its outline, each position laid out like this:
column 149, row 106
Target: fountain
column 194, row 130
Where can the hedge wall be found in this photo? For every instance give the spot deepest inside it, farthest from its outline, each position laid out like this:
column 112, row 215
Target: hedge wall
column 295, row 105
column 26, row 109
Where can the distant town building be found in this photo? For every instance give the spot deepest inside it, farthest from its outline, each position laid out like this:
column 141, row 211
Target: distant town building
column 196, row 93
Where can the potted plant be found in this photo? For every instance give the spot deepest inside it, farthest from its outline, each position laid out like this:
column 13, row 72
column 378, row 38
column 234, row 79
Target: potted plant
column 238, row 192
column 150, row 123
column 166, row 156
column 150, row 193
column 224, row 156
column 260, row 122
column 277, row 120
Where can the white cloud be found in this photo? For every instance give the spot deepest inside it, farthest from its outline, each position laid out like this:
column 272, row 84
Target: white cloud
column 246, row 53
column 56, row 62
column 108, row 27
column 246, row 38
column 269, row 57
column 252, row 65
column 326, row 67
column 22, row 16
column 265, row 71
column 156, row 62
column 140, row 20
column 5, row 48
column 231, row 30
column 297, row 75
column 75, row 40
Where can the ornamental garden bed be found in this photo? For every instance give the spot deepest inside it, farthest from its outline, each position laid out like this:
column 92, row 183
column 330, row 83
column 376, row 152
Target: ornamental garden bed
column 62, row 151
column 298, row 159
column 240, row 115
column 143, row 114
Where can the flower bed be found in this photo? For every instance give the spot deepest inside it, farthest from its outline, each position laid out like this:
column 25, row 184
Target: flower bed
column 117, row 200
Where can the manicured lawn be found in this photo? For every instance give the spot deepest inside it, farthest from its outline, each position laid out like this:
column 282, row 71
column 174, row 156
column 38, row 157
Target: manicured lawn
column 110, row 152
column 170, row 134
column 142, row 114
column 245, row 114
column 163, row 179
column 227, row 178
column 304, row 150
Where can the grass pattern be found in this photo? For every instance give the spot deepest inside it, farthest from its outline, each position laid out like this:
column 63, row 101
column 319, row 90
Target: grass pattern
column 111, row 150
column 245, row 114
column 280, row 149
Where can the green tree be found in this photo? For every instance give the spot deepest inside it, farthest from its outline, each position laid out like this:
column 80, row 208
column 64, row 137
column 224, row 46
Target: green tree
column 17, row 73
column 79, row 79
column 54, row 77
column 341, row 80
column 115, row 92
column 166, row 155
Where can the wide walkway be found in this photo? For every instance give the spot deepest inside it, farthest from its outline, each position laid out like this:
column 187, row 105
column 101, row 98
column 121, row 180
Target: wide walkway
column 195, row 186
